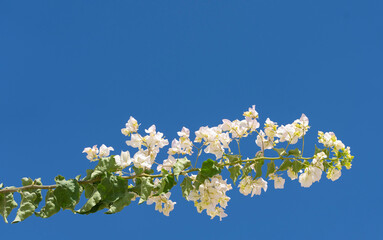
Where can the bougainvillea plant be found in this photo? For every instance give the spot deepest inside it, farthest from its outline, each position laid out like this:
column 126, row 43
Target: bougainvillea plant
column 117, row 180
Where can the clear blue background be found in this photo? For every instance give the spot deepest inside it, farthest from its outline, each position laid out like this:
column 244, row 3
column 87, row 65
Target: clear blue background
column 72, row 72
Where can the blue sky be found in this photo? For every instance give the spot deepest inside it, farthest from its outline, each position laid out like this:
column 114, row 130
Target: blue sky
column 72, row 72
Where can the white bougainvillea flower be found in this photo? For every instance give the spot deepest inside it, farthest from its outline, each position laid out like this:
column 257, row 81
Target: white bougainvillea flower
column 142, row 160
column 264, row 143
column 184, row 133
column 151, row 130
column 249, row 185
column 311, row 174
column 252, row 124
column 251, row 113
column 292, row 175
column 92, row 153
column 318, row 160
column 239, row 129
column 338, row 145
column 328, row 139
column 123, row 160
column 176, row 148
column 271, row 128
column 218, row 211
column 135, row 141
column 293, row 132
column 130, row 127
column 215, row 140
column 163, row 204
column 167, row 164
column 155, row 139
column 334, row 174
column 105, row 151
column 183, row 146
column 209, row 195
column 302, row 125
column 288, row 133
column 279, row 182
column 259, row 184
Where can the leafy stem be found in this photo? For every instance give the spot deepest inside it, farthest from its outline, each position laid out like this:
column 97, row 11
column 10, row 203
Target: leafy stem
column 184, row 172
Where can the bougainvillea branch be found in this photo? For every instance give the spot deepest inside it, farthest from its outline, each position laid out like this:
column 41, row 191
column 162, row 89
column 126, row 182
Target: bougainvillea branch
column 109, row 186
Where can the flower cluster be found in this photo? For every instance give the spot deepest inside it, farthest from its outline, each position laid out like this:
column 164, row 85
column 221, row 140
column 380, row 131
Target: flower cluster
column 343, row 154
column 209, row 195
column 215, row 140
column 265, row 140
column 93, row 154
column 313, row 172
column 292, row 132
column 131, row 127
column 279, row 182
column 148, row 147
column 163, row 204
column 254, row 186
column 329, row 140
column 179, row 147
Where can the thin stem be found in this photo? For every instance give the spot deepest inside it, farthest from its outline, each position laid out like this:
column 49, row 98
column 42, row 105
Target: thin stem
column 287, row 146
column 303, row 143
column 199, row 153
column 263, row 147
column 239, row 148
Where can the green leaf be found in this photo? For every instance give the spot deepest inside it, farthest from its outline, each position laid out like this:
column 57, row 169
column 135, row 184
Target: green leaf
column 51, row 206
column 30, row 200
column 7, row 204
column 66, row 196
column 92, row 205
column 104, row 165
column 186, row 187
column 326, row 165
column 327, row 152
column 234, row 173
column 270, row 168
column 246, row 170
column 112, row 193
column 180, row 165
column 115, row 193
column 209, row 169
column 88, row 175
column 67, row 192
column 146, row 186
column 294, row 152
column 258, row 168
column 89, row 189
column 111, row 187
column 122, row 201
column 281, row 151
column 285, row 165
column 167, row 182
column 139, row 171
column 233, row 158
column 297, row 166
column 317, row 150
